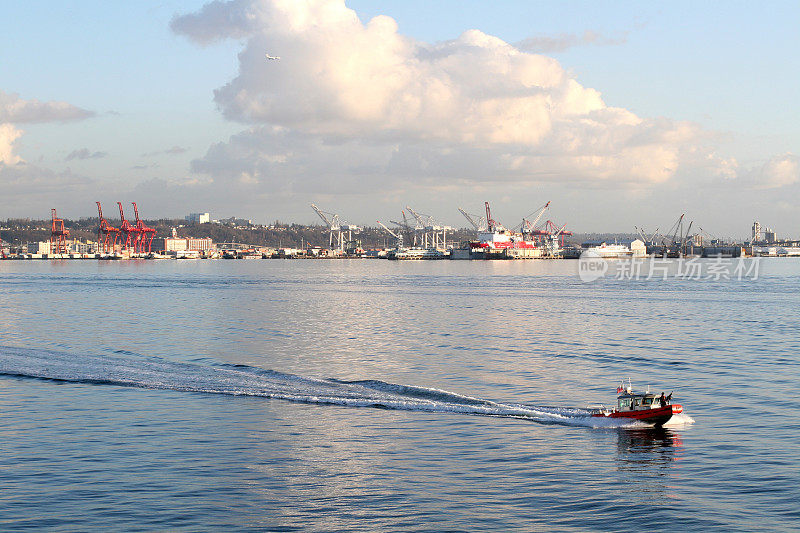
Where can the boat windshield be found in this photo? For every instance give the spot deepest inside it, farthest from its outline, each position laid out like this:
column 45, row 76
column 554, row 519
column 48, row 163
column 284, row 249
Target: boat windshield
column 637, row 401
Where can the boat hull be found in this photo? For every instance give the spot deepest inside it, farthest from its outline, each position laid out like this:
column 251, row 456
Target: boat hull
column 657, row 417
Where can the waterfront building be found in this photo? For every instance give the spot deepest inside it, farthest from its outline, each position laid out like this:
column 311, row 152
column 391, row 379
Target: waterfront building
column 183, row 244
column 638, row 248
column 41, row 247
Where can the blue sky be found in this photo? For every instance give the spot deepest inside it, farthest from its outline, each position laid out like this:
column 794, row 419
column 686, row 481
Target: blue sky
column 714, row 83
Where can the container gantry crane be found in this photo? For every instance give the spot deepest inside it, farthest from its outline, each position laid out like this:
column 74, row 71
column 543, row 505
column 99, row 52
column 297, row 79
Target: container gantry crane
column 144, row 236
column 336, row 228
column 434, row 235
column 58, row 234
column 129, row 232
column 106, row 233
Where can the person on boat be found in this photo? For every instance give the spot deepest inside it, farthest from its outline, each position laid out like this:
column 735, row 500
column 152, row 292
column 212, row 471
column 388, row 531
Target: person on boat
column 663, row 399
column 669, row 398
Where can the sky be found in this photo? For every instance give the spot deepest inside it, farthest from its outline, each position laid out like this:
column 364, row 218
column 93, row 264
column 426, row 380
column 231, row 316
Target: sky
column 621, row 114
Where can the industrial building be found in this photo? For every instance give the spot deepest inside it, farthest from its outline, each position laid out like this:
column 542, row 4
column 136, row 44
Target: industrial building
column 198, row 218
column 183, row 244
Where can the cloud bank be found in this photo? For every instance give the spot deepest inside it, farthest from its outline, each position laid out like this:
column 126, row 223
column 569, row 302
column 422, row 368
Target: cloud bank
column 8, row 134
column 14, row 109
column 362, row 98
column 26, row 183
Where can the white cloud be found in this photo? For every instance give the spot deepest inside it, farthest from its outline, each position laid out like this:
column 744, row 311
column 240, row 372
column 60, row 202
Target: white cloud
column 8, row 134
column 779, row 171
column 15, row 110
column 424, row 107
column 24, row 185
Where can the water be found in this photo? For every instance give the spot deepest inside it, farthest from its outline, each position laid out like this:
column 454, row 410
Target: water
column 385, row 396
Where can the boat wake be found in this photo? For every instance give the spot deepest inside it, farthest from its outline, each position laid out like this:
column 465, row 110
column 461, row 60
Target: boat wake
column 243, row 380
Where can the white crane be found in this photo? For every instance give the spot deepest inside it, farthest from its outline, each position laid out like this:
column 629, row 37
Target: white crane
column 527, row 226
column 434, row 235
column 405, row 226
column 336, row 228
column 397, row 236
column 478, row 221
column 553, row 247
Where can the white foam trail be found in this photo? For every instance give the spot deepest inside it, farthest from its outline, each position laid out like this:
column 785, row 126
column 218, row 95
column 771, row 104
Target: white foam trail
column 680, row 420
column 155, row 373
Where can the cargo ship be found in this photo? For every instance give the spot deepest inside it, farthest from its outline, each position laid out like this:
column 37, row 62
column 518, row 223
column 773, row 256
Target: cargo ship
column 499, row 242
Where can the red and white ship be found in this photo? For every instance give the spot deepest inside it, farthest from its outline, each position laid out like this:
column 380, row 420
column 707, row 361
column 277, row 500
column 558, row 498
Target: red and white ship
column 497, row 239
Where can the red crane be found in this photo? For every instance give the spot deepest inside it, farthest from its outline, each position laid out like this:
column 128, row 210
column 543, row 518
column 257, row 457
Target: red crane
column 490, row 222
column 552, row 230
column 106, row 232
column 145, row 234
column 129, row 233
column 58, row 235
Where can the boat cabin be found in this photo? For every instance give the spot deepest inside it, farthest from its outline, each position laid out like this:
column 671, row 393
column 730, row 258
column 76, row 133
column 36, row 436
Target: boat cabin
column 631, row 401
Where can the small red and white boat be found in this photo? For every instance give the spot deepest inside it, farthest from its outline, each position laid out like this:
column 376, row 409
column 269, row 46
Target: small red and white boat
column 644, row 407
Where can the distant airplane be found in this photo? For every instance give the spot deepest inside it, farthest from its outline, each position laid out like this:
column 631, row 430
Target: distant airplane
column 272, row 58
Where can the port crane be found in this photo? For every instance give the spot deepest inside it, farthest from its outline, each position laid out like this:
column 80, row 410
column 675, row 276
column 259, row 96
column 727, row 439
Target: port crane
column 677, row 239
column 648, row 241
column 406, row 227
column 527, row 226
column 398, row 236
column 106, row 233
column 673, row 230
column 553, row 247
column 58, row 234
column 478, row 221
column 433, row 234
column 336, row 228
column 685, row 237
column 128, row 231
column 653, row 236
column 491, row 223
column 144, row 234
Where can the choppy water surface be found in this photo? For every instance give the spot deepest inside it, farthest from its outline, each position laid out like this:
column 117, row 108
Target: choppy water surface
column 378, row 396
